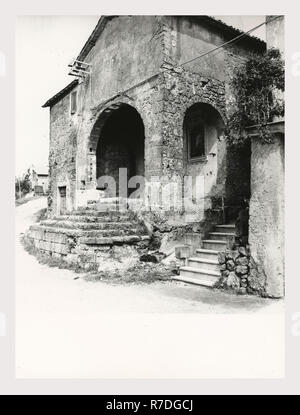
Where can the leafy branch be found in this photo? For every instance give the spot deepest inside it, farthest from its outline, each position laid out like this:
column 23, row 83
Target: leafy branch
column 254, row 83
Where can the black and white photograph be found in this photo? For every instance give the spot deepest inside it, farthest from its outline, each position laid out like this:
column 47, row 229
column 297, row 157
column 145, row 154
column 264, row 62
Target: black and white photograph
column 149, row 180
column 150, row 204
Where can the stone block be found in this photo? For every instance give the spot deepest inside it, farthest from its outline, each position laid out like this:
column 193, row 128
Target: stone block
column 241, row 270
column 233, row 281
column 243, row 260
column 230, row 265
column 60, row 248
column 243, row 251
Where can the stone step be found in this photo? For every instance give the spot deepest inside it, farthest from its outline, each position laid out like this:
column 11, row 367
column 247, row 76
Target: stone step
column 92, row 212
column 69, row 224
column 96, row 217
column 107, row 207
column 220, row 236
column 126, row 239
column 225, row 228
column 207, row 254
column 209, row 264
column 87, row 233
column 215, row 245
column 198, row 276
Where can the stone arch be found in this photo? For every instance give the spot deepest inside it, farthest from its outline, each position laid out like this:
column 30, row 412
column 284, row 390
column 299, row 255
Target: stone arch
column 202, row 126
column 117, row 140
column 198, row 100
column 103, row 112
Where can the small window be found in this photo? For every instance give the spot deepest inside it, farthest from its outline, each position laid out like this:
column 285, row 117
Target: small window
column 197, row 141
column 73, row 102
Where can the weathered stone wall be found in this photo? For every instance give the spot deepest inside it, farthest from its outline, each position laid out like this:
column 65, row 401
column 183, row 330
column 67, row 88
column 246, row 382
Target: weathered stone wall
column 62, row 154
column 128, row 51
column 266, row 224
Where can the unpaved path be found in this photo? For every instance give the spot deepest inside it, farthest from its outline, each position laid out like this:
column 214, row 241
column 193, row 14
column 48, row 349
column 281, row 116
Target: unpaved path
column 60, row 317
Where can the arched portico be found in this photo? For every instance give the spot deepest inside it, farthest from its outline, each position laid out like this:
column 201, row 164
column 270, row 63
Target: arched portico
column 116, row 142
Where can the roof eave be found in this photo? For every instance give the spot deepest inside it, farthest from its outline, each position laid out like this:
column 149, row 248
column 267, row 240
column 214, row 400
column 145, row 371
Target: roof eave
column 63, row 92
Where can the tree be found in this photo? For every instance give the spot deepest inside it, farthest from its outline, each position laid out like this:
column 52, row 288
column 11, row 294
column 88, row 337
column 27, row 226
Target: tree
column 23, row 184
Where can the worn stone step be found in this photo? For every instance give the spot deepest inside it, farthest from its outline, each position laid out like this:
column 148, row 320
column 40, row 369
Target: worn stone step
column 102, row 217
column 207, row 253
column 220, row 236
column 86, row 233
column 198, row 276
column 126, row 239
column 69, row 224
column 91, row 212
column 210, row 264
column 107, row 207
column 215, row 245
column 225, row 228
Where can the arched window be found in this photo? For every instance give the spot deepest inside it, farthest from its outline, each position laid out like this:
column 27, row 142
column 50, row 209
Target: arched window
column 200, row 122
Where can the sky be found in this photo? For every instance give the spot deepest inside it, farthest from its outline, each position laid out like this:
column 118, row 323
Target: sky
column 45, row 45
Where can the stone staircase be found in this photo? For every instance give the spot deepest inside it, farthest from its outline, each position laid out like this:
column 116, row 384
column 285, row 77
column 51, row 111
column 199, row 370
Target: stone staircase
column 203, row 268
column 85, row 231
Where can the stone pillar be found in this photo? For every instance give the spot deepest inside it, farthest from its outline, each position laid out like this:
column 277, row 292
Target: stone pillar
column 266, row 222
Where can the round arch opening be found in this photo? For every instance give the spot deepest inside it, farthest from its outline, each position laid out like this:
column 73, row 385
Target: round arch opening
column 120, row 145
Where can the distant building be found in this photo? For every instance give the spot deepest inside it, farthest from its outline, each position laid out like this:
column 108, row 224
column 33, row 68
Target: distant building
column 40, row 181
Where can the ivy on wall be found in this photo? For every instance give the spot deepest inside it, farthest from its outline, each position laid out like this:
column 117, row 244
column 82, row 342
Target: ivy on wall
column 253, row 84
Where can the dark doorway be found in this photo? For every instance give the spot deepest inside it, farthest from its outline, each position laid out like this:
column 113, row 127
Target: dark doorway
column 121, row 145
column 238, row 179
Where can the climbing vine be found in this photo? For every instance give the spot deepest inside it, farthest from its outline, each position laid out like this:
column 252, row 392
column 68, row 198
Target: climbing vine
column 254, row 83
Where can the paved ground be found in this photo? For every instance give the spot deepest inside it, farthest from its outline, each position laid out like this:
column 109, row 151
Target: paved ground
column 54, row 306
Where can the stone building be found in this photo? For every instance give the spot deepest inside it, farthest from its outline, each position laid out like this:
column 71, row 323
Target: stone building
column 140, row 83
column 151, row 94
column 40, row 181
